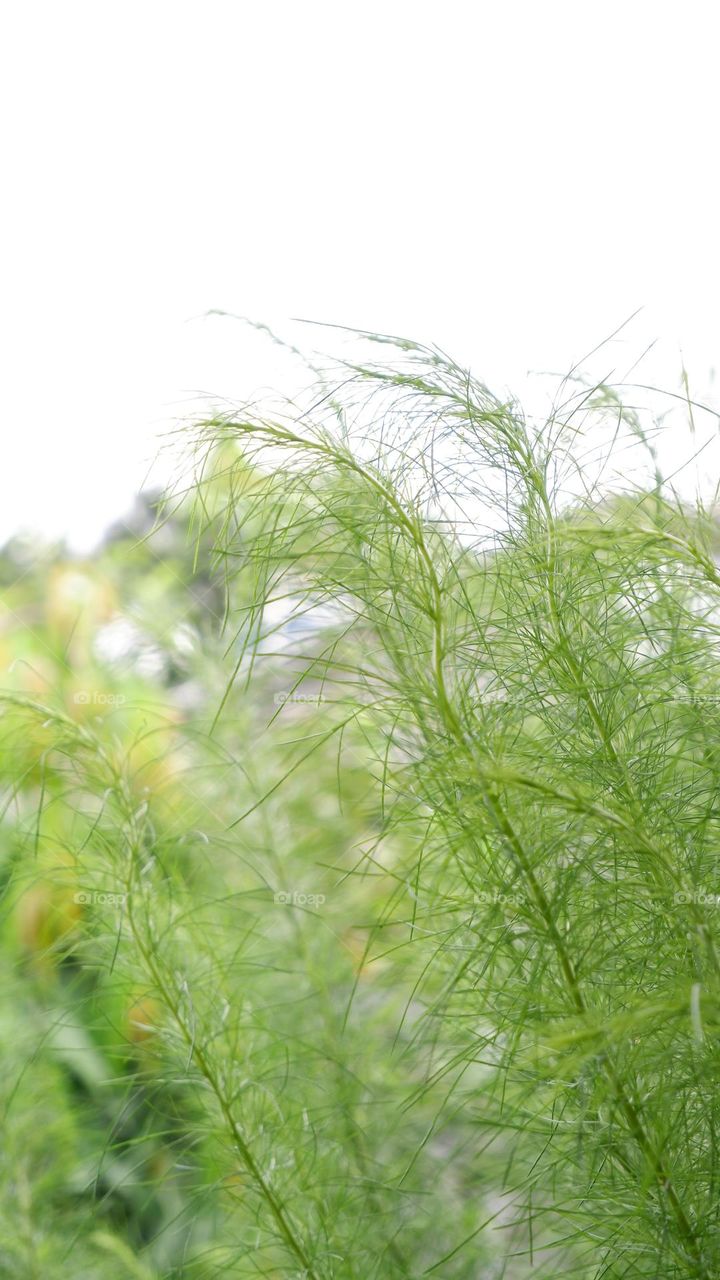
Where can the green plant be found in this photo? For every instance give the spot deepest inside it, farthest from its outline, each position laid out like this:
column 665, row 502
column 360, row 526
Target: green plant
column 422, row 924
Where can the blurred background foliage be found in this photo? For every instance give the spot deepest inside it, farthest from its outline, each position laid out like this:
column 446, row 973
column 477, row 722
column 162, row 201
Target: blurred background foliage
column 114, row 1159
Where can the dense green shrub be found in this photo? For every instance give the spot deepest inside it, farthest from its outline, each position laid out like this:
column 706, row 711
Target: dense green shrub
column 414, row 965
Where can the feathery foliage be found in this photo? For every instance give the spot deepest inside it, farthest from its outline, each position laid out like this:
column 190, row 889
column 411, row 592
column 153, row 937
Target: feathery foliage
column 419, row 900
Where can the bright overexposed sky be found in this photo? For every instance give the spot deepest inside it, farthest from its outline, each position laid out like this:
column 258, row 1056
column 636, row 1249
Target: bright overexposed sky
column 508, row 180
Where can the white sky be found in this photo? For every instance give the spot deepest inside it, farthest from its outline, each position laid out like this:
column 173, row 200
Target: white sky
column 508, row 180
